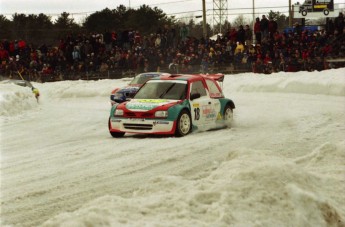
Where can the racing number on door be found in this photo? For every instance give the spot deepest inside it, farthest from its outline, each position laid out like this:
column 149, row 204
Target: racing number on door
column 196, row 113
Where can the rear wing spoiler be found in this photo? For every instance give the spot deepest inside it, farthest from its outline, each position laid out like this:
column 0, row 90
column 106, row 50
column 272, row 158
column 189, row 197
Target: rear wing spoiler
column 217, row 77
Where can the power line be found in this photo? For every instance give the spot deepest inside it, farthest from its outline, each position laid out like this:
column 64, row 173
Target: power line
column 175, row 13
column 166, row 3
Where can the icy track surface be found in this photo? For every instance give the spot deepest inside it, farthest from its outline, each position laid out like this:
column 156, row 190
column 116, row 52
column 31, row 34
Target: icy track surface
column 281, row 164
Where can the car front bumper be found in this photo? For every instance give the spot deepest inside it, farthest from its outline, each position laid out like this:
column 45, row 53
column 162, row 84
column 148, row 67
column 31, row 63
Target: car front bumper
column 141, row 125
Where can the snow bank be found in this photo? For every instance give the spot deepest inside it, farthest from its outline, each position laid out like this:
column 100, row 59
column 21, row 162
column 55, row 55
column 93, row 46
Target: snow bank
column 80, row 88
column 15, row 99
column 330, row 82
column 278, row 191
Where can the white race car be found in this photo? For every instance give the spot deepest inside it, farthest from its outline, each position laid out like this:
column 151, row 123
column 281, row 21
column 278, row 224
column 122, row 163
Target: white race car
column 174, row 105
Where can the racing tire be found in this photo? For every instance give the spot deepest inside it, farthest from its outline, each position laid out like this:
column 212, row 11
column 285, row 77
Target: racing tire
column 183, row 124
column 228, row 116
column 326, row 12
column 115, row 134
column 304, row 13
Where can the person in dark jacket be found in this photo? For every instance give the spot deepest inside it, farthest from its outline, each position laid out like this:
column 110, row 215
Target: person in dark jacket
column 248, row 35
column 272, row 27
column 241, row 35
column 264, row 27
column 339, row 23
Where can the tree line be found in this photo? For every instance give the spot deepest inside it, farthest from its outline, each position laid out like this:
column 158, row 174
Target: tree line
column 39, row 29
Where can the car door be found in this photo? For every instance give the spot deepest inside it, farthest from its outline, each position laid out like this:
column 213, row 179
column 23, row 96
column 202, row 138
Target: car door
column 202, row 108
column 215, row 93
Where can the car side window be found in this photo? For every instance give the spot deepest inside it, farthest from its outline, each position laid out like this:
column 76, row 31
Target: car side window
column 214, row 90
column 198, row 87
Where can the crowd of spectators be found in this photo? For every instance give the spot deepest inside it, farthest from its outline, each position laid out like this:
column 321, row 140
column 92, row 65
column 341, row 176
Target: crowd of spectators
column 265, row 49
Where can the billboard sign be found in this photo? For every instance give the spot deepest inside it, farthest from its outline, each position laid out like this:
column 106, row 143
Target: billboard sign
column 316, row 9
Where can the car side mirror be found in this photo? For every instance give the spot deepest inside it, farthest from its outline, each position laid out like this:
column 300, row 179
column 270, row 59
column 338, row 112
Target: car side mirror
column 195, row 96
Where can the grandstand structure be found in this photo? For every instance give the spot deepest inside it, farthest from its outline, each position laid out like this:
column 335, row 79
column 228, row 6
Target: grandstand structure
column 220, row 14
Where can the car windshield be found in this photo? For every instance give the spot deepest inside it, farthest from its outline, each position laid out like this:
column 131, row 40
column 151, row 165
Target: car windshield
column 141, row 79
column 162, row 90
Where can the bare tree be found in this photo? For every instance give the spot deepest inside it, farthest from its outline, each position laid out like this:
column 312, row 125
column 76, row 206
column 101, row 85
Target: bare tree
column 240, row 20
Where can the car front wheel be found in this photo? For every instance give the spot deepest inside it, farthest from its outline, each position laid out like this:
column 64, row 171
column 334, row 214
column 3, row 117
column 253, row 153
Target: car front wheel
column 115, row 134
column 184, row 124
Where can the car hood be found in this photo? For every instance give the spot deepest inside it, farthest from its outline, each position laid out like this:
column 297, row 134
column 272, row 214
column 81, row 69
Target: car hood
column 149, row 104
column 129, row 89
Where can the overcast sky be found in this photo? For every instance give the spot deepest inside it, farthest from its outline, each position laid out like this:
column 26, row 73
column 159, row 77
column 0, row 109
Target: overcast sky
column 80, row 9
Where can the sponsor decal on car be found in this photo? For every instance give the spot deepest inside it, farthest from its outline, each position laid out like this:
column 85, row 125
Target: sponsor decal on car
column 152, row 100
column 160, row 123
column 208, row 112
column 146, row 104
column 219, row 116
column 136, row 119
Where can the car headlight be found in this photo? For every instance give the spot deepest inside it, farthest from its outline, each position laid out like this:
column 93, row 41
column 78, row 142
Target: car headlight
column 161, row 114
column 118, row 112
column 118, row 95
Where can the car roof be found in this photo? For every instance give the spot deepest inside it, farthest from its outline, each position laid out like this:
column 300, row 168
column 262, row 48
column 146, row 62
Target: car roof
column 177, row 77
column 154, row 74
column 190, row 77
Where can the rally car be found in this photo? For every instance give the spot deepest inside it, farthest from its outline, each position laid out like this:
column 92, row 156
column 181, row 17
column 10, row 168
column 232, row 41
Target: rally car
column 119, row 95
column 174, row 105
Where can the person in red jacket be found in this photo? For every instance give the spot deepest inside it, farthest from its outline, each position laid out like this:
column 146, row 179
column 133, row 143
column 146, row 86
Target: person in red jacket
column 3, row 54
column 272, row 27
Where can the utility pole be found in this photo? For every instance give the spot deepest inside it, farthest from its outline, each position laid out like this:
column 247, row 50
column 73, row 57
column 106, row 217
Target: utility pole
column 253, row 21
column 220, row 14
column 290, row 14
column 204, row 29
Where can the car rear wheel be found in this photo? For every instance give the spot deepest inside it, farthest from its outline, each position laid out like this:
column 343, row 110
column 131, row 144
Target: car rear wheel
column 184, row 124
column 228, row 116
column 115, row 134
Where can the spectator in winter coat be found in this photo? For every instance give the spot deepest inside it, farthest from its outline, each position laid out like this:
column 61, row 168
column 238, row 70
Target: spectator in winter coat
column 272, row 27
column 239, row 48
column 233, row 35
column 298, row 29
column 339, row 23
column 184, row 32
column 76, row 54
column 248, row 35
column 158, row 41
column 257, row 31
column 330, row 26
column 3, row 54
column 241, row 35
column 264, row 27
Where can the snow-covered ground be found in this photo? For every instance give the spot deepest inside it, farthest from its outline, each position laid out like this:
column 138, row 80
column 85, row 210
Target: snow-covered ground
column 281, row 164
